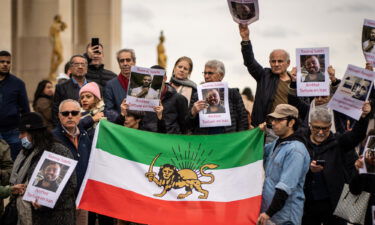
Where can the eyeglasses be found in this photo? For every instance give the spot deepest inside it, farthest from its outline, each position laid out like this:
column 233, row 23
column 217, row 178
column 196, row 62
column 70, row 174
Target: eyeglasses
column 208, row 73
column 79, row 64
column 324, row 129
column 66, row 113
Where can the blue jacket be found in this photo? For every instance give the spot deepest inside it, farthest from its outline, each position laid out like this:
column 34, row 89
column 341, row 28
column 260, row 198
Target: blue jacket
column 285, row 168
column 82, row 154
column 13, row 102
column 114, row 94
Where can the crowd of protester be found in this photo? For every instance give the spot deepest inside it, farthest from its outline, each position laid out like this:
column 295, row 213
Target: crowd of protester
column 301, row 133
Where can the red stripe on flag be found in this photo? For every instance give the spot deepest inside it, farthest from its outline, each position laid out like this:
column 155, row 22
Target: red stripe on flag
column 127, row 205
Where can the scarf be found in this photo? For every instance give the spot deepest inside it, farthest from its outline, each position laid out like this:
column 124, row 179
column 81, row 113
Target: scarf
column 330, row 111
column 186, row 82
column 123, row 81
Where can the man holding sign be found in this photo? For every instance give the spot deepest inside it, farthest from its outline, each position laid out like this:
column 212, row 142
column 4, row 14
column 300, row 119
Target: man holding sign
column 214, row 71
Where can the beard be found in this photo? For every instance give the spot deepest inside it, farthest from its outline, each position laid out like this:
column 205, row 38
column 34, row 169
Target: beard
column 4, row 73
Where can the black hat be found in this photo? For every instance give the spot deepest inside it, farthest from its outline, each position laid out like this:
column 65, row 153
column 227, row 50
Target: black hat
column 31, row 121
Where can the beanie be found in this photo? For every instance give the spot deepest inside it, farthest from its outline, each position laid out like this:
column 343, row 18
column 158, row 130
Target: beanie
column 93, row 88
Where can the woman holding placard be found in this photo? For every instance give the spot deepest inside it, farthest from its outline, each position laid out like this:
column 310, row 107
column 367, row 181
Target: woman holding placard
column 36, row 139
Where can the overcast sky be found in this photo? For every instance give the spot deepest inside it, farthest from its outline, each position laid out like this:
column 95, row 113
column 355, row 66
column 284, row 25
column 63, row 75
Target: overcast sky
column 204, row 30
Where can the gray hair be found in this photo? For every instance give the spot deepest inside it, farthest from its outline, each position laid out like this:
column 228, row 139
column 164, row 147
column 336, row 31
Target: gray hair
column 287, row 56
column 320, row 114
column 131, row 51
column 218, row 65
column 76, row 56
column 70, row 100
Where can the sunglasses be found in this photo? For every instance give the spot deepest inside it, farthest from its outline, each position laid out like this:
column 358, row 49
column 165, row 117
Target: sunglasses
column 66, row 113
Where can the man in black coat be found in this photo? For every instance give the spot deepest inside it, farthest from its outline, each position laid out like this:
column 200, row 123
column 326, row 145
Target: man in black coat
column 70, row 88
column 96, row 71
column 326, row 177
column 272, row 83
column 214, row 71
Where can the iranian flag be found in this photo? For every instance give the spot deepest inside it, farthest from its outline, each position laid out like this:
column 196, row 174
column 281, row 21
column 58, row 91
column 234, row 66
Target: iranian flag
column 153, row 178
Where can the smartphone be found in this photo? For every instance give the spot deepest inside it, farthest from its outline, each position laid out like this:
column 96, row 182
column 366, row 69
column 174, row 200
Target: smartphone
column 321, row 162
column 95, row 42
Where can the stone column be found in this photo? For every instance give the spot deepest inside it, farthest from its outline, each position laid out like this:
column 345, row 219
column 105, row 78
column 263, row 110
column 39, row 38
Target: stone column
column 32, row 48
column 102, row 19
column 6, row 25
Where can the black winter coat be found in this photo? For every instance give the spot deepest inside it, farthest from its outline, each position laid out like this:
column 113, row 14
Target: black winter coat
column 332, row 151
column 267, row 83
column 99, row 75
column 174, row 114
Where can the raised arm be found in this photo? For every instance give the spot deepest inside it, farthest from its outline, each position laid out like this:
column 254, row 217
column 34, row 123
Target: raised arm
column 254, row 68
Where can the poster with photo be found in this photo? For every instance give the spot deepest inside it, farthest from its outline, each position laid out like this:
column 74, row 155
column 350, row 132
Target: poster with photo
column 312, row 74
column 368, row 41
column 49, row 179
column 369, row 156
column 353, row 91
column 244, row 11
column 216, row 113
column 144, row 88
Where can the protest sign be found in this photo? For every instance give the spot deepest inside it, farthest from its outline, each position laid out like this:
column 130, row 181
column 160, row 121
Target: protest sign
column 353, row 91
column 244, row 11
column 49, row 179
column 368, row 41
column 144, row 88
column 312, row 75
column 216, row 113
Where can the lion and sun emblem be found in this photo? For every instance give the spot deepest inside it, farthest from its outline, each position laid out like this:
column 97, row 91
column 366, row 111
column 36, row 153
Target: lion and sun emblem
column 192, row 167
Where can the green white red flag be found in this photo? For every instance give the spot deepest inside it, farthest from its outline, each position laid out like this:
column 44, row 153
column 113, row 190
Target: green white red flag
column 154, row 178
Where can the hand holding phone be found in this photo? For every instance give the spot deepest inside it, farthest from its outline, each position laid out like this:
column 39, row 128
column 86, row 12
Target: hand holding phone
column 95, row 43
column 321, row 162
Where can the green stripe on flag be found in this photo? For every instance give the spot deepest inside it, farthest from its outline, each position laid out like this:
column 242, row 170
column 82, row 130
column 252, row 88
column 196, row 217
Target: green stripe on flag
column 183, row 151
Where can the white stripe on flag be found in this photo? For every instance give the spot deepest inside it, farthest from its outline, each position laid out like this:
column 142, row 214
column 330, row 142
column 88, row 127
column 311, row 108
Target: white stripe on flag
column 230, row 184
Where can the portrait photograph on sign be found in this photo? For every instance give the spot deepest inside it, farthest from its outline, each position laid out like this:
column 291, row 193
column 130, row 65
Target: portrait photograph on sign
column 313, row 68
column 216, row 112
column 353, row 91
column 214, row 98
column 312, row 75
column 244, row 11
column 144, row 88
column 49, row 179
column 50, row 175
column 369, row 156
column 368, row 41
column 359, row 87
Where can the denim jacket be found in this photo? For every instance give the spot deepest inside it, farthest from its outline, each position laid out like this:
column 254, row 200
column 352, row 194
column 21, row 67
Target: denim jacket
column 285, row 168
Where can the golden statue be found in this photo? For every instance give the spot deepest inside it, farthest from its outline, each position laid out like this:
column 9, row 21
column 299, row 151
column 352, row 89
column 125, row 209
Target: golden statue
column 57, row 48
column 162, row 57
